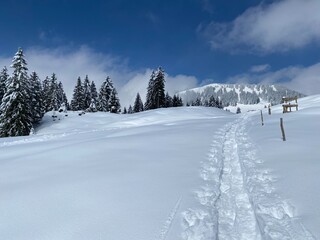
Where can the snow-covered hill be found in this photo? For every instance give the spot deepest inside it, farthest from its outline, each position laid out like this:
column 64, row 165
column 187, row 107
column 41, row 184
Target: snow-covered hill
column 180, row 173
column 231, row 94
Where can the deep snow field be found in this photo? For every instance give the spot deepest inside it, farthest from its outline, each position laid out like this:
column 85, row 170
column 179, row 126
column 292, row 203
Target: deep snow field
column 182, row 173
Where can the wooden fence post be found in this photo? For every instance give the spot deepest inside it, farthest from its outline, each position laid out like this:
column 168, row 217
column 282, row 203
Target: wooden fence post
column 282, row 130
column 261, row 118
column 269, row 110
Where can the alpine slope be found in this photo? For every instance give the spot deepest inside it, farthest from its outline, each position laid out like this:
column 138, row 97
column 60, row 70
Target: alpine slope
column 188, row 173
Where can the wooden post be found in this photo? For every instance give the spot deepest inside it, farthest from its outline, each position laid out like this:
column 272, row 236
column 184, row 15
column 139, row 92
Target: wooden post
column 269, row 110
column 282, row 130
column 261, row 118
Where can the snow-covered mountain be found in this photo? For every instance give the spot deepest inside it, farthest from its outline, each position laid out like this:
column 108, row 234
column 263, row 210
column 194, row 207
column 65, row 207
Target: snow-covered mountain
column 166, row 174
column 231, row 94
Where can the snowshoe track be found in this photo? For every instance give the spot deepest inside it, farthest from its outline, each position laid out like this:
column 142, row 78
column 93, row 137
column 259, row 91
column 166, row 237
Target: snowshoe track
column 237, row 199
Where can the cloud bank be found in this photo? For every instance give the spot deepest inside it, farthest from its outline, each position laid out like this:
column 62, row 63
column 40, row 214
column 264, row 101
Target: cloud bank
column 277, row 27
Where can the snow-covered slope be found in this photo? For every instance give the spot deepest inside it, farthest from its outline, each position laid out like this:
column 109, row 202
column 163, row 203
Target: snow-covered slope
column 231, row 94
column 182, row 173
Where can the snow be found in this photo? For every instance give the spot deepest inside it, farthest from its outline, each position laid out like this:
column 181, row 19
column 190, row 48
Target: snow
column 181, row 173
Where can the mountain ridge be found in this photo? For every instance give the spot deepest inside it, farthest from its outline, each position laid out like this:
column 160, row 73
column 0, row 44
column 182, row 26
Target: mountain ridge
column 232, row 94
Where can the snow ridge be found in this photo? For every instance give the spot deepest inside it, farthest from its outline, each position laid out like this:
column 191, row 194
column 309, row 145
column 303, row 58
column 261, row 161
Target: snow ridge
column 237, row 200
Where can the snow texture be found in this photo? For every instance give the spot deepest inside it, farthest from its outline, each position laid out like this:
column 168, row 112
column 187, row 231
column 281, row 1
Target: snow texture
column 184, row 173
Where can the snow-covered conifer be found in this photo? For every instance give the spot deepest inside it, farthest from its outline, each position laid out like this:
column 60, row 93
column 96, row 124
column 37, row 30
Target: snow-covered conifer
column 138, row 105
column 3, row 79
column 36, row 97
column 114, row 102
column 16, row 115
column 77, row 102
column 105, row 94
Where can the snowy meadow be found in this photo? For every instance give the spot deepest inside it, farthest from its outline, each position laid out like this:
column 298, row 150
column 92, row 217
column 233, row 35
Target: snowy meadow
column 179, row 173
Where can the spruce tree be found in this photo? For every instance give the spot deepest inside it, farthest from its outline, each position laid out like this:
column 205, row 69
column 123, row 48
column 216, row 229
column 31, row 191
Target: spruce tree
column 36, row 95
column 3, row 79
column 155, row 92
column 16, row 115
column 54, row 103
column 87, row 92
column 169, row 101
column 114, row 102
column 177, row 101
column 138, row 105
column 94, row 93
column 149, row 104
column 130, row 111
column 46, row 94
column 105, row 94
column 77, row 102
column 124, row 110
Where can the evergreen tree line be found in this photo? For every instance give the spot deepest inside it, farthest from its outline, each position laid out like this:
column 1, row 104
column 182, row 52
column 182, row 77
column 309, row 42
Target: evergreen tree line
column 156, row 96
column 86, row 98
column 25, row 99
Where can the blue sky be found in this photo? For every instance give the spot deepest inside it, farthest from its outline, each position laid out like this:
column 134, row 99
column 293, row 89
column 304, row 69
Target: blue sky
column 206, row 40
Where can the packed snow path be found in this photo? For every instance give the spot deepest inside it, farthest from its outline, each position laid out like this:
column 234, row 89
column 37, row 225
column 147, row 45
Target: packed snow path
column 236, row 217
column 237, row 200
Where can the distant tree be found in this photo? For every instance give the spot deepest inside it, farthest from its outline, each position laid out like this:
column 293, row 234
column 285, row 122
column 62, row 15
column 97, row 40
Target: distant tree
column 177, row 101
column 36, row 98
column 16, row 115
column 87, row 92
column 114, row 102
column 54, row 103
column 168, row 101
column 156, row 90
column 77, row 102
column 130, row 110
column 105, row 94
column 238, row 110
column 138, row 105
column 124, row 110
column 46, row 93
column 94, row 94
column 3, row 79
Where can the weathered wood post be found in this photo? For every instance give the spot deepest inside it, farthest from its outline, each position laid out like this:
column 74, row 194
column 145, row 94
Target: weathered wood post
column 261, row 118
column 269, row 110
column 282, row 130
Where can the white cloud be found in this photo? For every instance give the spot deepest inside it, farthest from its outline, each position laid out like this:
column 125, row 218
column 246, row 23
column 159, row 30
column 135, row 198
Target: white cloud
column 280, row 26
column 70, row 64
column 302, row 79
column 260, row 68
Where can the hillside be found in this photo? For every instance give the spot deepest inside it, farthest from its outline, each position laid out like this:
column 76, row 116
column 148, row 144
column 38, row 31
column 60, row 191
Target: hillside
column 231, row 94
column 182, row 173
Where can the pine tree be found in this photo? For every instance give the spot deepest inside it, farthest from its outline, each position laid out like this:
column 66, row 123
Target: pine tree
column 114, row 102
column 177, row 101
column 156, row 91
column 36, row 95
column 159, row 90
column 87, row 92
column 54, row 103
column 77, row 102
column 105, row 94
column 149, row 104
column 46, row 93
column 138, row 105
column 62, row 97
column 168, row 101
column 16, row 115
column 130, row 111
column 124, row 110
column 3, row 79
column 94, row 94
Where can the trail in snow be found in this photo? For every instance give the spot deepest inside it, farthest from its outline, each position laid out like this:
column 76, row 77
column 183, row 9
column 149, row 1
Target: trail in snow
column 237, row 200
column 236, row 217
